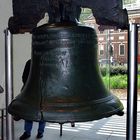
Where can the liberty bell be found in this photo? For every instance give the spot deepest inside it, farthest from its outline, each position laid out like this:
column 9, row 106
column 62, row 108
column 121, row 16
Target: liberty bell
column 64, row 84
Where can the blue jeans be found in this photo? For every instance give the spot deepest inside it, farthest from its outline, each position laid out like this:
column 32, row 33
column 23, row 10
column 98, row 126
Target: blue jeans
column 29, row 124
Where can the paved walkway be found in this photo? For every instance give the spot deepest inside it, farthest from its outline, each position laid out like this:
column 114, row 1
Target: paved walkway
column 112, row 128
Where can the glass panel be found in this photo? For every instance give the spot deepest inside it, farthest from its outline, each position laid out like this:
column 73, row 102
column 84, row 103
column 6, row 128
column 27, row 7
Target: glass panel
column 121, row 49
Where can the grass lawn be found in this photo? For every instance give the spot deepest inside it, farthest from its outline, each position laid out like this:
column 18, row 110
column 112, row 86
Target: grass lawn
column 118, row 85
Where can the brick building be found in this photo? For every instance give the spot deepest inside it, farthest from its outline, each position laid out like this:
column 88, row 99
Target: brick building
column 115, row 42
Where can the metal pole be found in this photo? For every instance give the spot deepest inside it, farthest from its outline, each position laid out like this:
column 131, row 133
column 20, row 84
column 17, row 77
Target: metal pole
column 9, row 82
column 132, row 82
column 2, row 124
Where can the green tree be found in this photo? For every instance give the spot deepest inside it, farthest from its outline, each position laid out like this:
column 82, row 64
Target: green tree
column 85, row 14
column 128, row 1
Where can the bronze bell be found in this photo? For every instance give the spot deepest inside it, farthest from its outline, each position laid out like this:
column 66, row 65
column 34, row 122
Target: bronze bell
column 64, row 84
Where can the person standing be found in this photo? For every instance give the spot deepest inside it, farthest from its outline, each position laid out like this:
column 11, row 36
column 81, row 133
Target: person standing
column 29, row 124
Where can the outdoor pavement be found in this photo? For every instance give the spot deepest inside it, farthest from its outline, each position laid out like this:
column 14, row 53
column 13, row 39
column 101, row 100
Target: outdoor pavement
column 112, row 128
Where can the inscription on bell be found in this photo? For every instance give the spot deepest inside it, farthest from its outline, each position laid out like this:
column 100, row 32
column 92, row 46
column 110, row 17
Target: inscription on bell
column 51, row 36
column 62, row 57
column 62, row 39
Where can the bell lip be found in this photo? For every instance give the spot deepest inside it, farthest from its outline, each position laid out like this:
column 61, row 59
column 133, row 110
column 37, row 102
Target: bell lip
column 103, row 109
column 16, row 108
column 88, row 115
column 107, row 115
column 80, row 104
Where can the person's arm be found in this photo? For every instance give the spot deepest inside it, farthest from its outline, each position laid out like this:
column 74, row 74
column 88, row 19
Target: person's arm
column 26, row 71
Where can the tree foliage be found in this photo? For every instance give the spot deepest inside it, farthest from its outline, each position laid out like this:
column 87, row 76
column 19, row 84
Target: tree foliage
column 128, row 1
column 85, row 14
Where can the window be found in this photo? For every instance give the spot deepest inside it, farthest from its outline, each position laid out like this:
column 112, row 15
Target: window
column 101, row 52
column 121, row 37
column 112, row 38
column 121, row 49
column 101, row 38
column 111, row 49
column 101, row 49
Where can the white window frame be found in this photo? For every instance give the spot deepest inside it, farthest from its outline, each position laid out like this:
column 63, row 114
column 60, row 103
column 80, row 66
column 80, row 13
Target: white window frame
column 120, row 49
column 101, row 48
column 122, row 37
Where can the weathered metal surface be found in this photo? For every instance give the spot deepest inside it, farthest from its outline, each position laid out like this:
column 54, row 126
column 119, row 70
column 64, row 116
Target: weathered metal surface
column 64, row 83
column 27, row 13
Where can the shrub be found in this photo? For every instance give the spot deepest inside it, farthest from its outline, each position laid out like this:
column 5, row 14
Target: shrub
column 117, row 82
column 104, row 71
column 113, row 70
